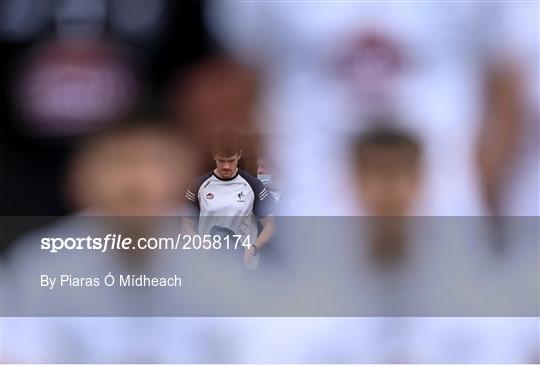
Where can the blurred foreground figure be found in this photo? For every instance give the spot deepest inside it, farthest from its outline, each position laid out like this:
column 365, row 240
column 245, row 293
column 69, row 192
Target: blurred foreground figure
column 131, row 172
column 414, row 282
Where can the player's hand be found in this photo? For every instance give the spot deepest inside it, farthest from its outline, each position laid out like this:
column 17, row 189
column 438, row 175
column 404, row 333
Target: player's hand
column 249, row 253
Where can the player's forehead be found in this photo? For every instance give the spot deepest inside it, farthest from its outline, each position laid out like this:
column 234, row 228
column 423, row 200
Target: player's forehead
column 222, row 157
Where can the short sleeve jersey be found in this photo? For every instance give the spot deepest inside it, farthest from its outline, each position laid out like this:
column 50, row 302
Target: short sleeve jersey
column 229, row 206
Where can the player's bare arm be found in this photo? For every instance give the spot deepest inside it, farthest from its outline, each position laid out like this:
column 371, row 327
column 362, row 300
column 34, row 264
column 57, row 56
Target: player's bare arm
column 268, row 228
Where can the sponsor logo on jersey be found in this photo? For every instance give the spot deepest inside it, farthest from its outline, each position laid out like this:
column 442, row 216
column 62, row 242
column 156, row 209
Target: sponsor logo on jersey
column 209, row 196
column 241, row 196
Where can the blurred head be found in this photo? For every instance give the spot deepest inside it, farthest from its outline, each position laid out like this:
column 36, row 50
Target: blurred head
column 226, row 152
column 217, row 93
column 264, row 171
column 389, row 171
column 131, row 171
column 263, row 167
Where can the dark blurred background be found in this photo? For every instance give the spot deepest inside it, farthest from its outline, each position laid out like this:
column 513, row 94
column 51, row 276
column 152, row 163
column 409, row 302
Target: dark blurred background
column 141, row 48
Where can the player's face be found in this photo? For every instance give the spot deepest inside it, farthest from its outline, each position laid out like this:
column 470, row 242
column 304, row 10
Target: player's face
column 388, row 184
column 226, row 165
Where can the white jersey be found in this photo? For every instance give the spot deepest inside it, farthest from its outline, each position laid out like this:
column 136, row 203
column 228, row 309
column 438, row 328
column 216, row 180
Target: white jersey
column 229, row 206
column 330, row 66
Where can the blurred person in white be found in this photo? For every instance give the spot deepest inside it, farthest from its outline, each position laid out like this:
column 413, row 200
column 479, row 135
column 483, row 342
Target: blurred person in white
column 325, row 64
column 390, row 178
column 328, row 65
column 404, row 268
column 133, row 170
